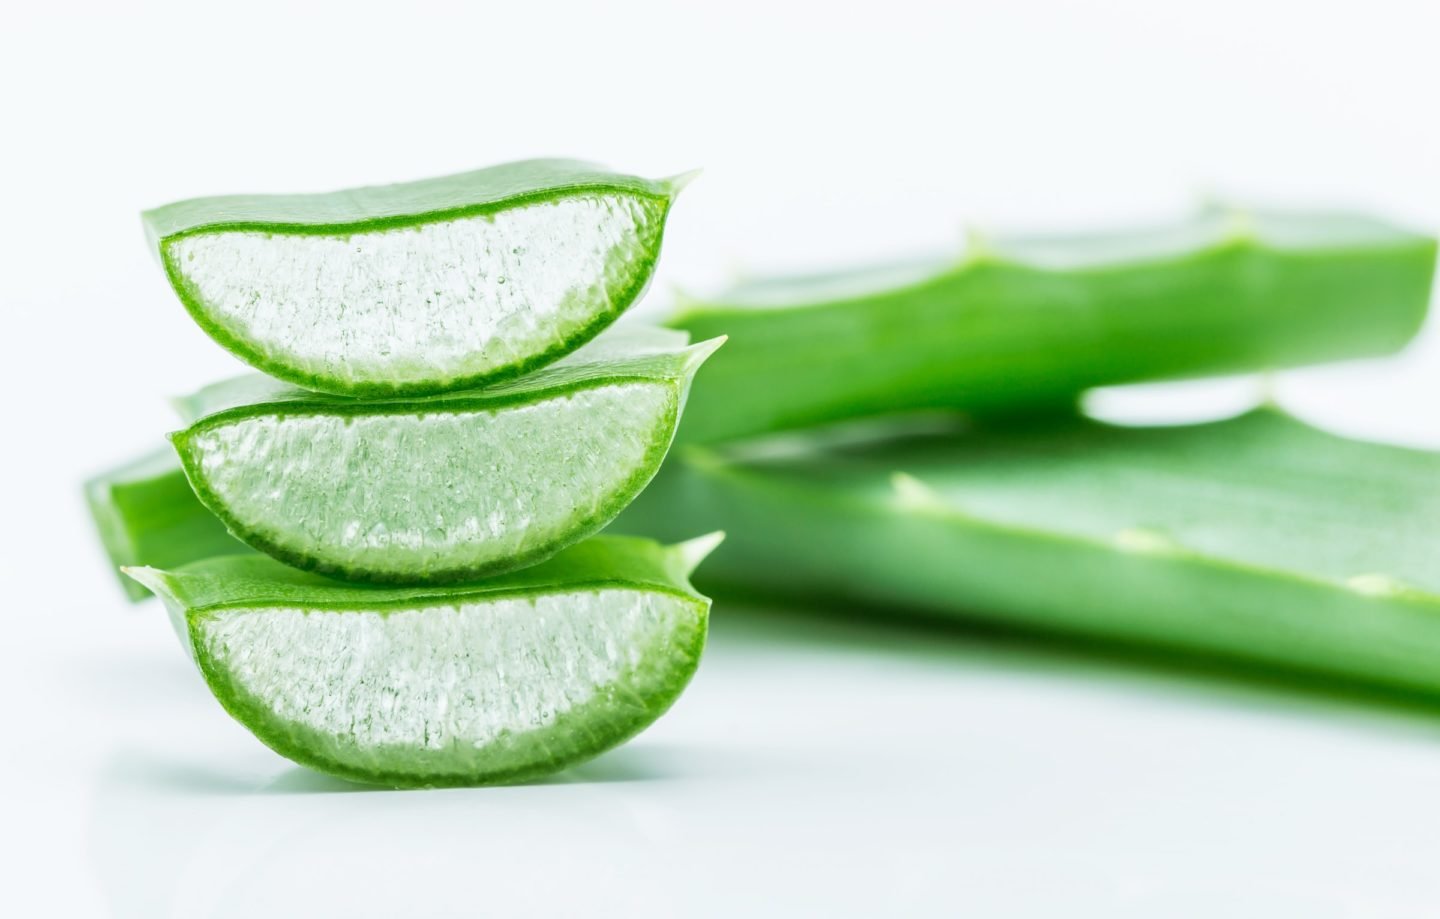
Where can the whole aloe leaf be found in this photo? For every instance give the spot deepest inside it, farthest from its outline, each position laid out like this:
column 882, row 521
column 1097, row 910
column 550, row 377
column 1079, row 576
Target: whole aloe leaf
column 498, row 681
column 423, row 287
column 1025, row 323
column 1257, row 537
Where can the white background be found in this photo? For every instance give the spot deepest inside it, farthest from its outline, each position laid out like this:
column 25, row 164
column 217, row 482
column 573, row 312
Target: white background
column 817, row 767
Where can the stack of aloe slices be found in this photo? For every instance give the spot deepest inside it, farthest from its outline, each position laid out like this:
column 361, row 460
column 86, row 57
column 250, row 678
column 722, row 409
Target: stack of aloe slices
column 1257, row 538
column 442, row 413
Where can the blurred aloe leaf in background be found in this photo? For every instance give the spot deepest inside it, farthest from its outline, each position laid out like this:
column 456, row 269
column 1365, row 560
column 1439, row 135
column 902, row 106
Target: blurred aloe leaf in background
column 1258, row 537
column 1028, row 323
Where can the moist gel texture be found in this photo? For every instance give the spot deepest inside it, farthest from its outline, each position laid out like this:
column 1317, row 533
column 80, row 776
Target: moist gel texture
column 473, row 490
column 468, row 686
column 430, row 303
column 508, row 678
column 442, row 488
column 418, row 288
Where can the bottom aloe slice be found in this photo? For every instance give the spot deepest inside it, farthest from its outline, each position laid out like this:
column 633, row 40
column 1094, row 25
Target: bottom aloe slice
column 440, row 488
column 497, row 681
column 1257, row 537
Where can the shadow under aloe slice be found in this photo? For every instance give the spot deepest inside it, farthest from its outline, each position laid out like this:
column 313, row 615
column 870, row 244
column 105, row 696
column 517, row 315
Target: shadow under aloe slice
column 496, row 681
column 421, row 287
column 441, row 488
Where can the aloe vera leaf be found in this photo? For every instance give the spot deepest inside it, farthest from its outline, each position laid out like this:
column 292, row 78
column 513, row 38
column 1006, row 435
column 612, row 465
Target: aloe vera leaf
column 497, row 681
column 146, row 514
column 423, row 287
column 440, row 488
column 1257, row 537
column 1031, row 323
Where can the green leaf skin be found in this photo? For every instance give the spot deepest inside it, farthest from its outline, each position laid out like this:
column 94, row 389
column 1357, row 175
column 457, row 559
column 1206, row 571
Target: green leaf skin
column 443, row 488
column 146, row 514
column 1031, row 323
column 317, row 670
column 376, row 345
column 1257, row 538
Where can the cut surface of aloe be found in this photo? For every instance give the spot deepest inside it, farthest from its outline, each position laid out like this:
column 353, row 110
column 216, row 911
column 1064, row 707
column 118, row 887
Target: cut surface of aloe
column 1021, row 324
column 146, row 514
column 439, row 488
column 1257, row 537
column 421, row 287
column 497, row 681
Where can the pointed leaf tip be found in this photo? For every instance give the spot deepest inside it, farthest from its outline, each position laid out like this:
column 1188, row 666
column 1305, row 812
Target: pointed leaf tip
column 700, row 352
column 694, row 551
column 150, row 578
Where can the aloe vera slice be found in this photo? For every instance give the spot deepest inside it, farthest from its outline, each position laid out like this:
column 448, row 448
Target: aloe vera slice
column 498, row 681
column 146, row 514
column 437, row 488
column 1257, row 537
column 417, row 288
column 1026, row 323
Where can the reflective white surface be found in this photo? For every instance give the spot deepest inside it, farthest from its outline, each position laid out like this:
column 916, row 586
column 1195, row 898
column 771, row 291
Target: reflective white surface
column 817, row 766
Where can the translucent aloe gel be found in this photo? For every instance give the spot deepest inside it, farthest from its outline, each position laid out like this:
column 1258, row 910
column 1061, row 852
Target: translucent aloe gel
column 439, row 488
column 417, row 288
column 503, row 680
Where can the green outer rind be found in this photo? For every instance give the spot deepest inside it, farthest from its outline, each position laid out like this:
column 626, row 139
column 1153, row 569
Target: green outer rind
column 673, row 370
column 115, row 535
column 1006, row 331
column 380, row 207
column 250, row 579
column 794, row 536
column 625, row 351
column 577, row 735
column 146, row 514
column 387, row 207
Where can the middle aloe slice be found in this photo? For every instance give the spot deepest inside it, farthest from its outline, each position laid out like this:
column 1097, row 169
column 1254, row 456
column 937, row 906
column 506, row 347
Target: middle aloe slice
column 439, row 488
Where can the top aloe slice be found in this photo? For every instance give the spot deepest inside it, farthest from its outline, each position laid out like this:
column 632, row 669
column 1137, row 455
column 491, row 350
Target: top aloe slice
column 430, row 489
column 416, row 288
column 496, row 681
column 1022, row 323
column 1257, row 537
